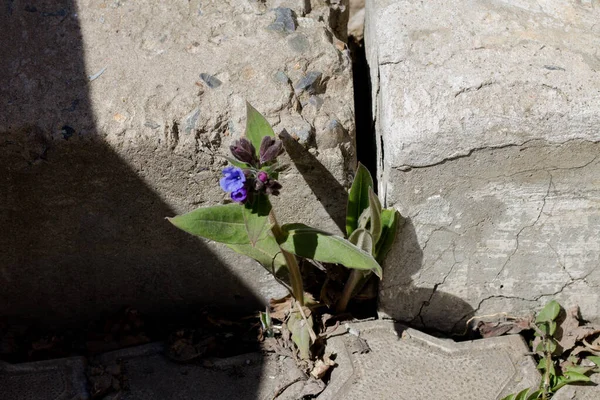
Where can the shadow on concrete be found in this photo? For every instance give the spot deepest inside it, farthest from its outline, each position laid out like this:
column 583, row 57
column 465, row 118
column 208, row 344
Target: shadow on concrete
column 329, row 192
column 428, row 309
column 82, row 234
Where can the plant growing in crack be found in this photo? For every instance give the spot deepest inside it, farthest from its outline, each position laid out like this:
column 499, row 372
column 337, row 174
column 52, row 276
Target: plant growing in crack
column 249, row 226
column 560, row 359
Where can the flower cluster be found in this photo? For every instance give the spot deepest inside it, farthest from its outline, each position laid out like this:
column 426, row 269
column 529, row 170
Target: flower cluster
column 241, row 183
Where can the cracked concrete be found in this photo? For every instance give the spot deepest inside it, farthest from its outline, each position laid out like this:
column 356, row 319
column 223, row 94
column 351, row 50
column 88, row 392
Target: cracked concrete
column 486, row 115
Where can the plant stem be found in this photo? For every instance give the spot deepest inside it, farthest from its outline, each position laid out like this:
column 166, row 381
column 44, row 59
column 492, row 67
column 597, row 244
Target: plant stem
column 548, row 357
column 290, row 260
column 356, row 277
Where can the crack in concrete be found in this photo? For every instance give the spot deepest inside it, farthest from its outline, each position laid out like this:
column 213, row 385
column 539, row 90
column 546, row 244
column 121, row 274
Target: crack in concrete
column 532, row 300
column 407, row 167
column 525, row 227
column 427, row 302
column 394, row 62
column 560, row 263
column 474, row 88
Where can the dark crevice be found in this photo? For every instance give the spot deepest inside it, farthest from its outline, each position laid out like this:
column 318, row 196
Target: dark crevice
column 366, row 146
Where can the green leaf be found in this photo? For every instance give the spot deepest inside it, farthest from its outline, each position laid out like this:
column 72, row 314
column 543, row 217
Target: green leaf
column 256, row 217
column 594, row 359
column 510, row 397
column 568, row 378
column 267, row 252
column 522, row 395
column 257, row 127
column 237, row 163
column 362, row 239
column 573, row 377
column 389, row 226
column 535, row 395
column 549, row 312
column 222, row 223
column 300, row 329
column 314, row 244
column 358, row 197
column 552, row 325
column 364, row 219
column 375, row 207
column 578, row 369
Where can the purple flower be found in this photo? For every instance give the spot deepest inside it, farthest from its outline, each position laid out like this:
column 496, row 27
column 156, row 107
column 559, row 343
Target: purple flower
column 270, row 149
column 244, row 151
column 233, row 179
column 262, row 176
column 239, row 195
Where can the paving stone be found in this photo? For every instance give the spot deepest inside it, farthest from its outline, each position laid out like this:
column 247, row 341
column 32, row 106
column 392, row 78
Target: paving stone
column 487, row 120
column 149, row 375
column 62, row 379
column 388, row 361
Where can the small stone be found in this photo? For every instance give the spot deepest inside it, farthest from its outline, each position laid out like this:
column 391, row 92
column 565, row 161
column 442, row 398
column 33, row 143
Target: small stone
column 281, row 76
column 309, row 82
column 304, row 135
column 316, row 101
column 151, row 124
column 191, row 120
column 285, row 20
column 299, row 43
column 210, row 80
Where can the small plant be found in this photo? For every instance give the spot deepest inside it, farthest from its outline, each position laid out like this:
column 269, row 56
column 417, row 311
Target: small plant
column 249, row 226
column 548, row 346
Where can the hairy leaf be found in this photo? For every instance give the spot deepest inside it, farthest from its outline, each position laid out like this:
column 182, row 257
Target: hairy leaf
column 362, row 239
column 314, row 244
column 375, row 207
column 256, row 217
column 389, row 226
column 549, row 312
column 222, row 223
column 237, row 163
column 300, row 329
column 358, row 197
column 257, row 127
column 267, row 252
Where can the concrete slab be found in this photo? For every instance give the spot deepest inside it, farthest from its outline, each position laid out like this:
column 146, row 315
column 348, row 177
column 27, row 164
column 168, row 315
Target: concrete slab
column 392, row 362
column 62, row 379
column 149, row 375
column 486, row 115
column 378, row 360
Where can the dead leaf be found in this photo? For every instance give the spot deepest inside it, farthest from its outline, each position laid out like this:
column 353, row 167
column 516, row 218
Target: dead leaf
column 280, row 308
column 501, row 327
column 322, row 366
column 568, row 333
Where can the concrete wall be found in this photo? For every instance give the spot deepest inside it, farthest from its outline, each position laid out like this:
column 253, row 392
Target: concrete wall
column 487, row 116
column 115, row 115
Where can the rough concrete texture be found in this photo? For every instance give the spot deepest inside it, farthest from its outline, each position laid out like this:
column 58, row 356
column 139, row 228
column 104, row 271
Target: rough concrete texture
column 115, row 115
column 402, row 363
column 62, row 379
column 149, row 376
column 378, row 360
column 356, row 21
column 580, row 392
column 486, row 116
